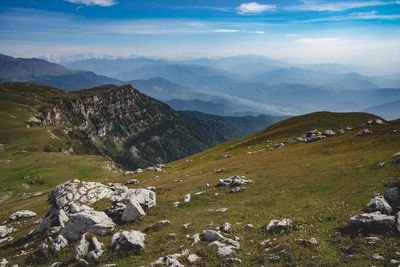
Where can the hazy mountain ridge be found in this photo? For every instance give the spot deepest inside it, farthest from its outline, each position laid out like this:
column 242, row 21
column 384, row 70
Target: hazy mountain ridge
column 133, row 129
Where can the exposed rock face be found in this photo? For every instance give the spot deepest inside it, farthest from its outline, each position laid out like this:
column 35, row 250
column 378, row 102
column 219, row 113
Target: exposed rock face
column 373, row 221
column 276, row 225
column 22, row 214
column 378, row 203
column 55, row 217
column 128, row 240
column 88, row 222
column 132, row 212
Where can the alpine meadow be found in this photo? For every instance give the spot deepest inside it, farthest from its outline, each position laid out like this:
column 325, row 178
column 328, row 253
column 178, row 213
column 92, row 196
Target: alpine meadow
column 199, row 133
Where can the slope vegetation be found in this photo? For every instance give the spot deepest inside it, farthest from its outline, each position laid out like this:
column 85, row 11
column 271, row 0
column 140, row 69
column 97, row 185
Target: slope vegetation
column 318, row 185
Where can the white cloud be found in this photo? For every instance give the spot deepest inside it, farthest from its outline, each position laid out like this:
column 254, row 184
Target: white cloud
column 319, row 41
column 225, row 30
column 372, row 15
column 94, row 2
column 291, row 35
column 256, row 32
column 316, row 5
column 253, row 8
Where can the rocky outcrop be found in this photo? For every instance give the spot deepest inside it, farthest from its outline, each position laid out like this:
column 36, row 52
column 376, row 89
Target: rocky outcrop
column 132, row 212
column 233, row 181
column 128, row 240
column 88, row 222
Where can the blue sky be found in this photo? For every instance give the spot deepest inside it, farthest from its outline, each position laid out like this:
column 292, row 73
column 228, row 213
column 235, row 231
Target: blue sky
column 360, row 32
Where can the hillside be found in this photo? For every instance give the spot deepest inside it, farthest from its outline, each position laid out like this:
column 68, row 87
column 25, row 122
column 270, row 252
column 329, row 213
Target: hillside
column 130, row 127
column 318, row 185
column 389, row 111
column 43, row 72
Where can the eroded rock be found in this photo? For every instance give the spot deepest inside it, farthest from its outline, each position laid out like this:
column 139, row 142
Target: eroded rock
column 128, row 240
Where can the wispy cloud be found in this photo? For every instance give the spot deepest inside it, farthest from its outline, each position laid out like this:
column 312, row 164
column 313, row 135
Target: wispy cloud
column 317, row 5
column 104, row 3
column 225, row 30
column 291, row 35
column 252, row 8
column 372, row 15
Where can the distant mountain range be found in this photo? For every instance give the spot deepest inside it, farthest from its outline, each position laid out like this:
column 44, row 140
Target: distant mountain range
column 390, row 110
column 228, row 86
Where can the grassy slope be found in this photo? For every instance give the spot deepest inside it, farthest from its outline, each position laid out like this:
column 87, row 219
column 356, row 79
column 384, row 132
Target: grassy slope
column 318, row 185
column 24, row 147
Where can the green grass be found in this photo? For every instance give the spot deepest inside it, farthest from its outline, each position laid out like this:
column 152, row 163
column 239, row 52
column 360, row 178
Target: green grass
column 318, row 185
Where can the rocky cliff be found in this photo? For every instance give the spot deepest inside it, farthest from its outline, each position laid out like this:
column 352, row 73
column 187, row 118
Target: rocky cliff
column 133, row 129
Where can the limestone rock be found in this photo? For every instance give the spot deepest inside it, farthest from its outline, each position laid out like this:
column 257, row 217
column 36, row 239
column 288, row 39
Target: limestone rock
column 378, row 203
column 88, row 222
column 187, row 197
column 22, row 214
column 313, row 241
column 58, row 243
column 276, row 225
column 328, row 133
column 372, row 221
column 127, row 240
column 82, row 247
column 223, row 249
column 363, row 132
column 4, row 231
column 211, row 235
column 55, row 217
column 225, row 227
column 43, row 249
column 393, row 196
column 82, row 262
column 192, row 258
column 196, row 239
column 132, row 212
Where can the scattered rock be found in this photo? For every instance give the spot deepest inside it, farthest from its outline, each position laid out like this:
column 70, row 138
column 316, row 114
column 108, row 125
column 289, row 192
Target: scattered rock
column 132, row 212
column 132, row 181
column 313, row 241
column 82, row 262
column 371, row 240
column 379, row 203
column 22, row 214
column 4, row 231
column 249, row 225
column 394, row 261
column 88, row 222
column 196, row 239
column 380, row 164
column 225, row 227
column 328, row 133
column 235, row 190
column 127, row 240
column 192, row 258
column 43, row 249
column 376, row 256
column 274, row 258
column 222, row 210
column 58, row 243
column 3, row 262
column 276, row 225
column 223, row 249
column 234, row 260
column 211, row 235
column 186, row 225
column 373, row 221
column 363, row 132
column 186, row 199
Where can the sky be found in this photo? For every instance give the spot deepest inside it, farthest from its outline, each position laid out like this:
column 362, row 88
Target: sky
column 307, row 31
